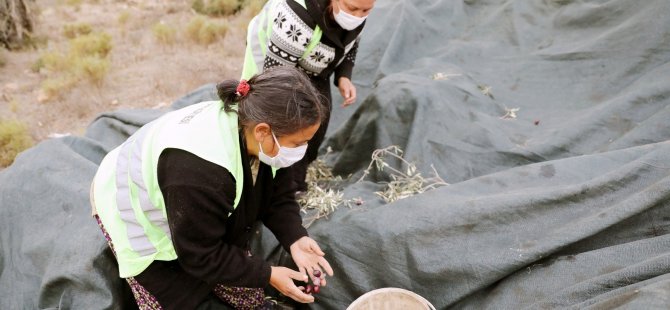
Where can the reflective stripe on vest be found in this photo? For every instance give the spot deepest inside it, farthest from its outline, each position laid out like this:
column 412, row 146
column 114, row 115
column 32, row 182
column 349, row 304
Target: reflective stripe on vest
column 129, row 163
column 258, row 32
column 126, row 191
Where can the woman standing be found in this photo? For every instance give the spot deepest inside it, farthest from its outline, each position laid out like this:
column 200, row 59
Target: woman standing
column 178, row 199
column 318, row 36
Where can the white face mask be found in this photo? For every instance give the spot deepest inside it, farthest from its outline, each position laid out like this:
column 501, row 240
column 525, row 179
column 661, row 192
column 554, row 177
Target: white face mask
column 347, row 21
column 286, row 157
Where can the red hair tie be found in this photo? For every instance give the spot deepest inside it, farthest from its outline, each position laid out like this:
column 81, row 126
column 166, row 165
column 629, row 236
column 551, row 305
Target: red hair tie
column 242, row 88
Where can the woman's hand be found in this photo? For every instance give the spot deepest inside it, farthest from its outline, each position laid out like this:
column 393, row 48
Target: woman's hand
column 347, row 90
column 308, row 257
column 282, row 278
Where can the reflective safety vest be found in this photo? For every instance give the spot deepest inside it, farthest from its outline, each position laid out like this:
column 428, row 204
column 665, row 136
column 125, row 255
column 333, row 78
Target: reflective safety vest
column 126, row 194
column 258, row 32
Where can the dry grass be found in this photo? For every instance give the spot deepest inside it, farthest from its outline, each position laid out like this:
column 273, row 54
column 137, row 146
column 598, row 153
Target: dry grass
column 14, row 139
column 73, row 2
column 123, row 18
column 216, row 7
column 92, row 68
column 52, row 61
column 141, row 73
column 86, row 60
column 206, row 31
column 72, row 31
column 164, row 34
column 53, row 88
column 93, row 44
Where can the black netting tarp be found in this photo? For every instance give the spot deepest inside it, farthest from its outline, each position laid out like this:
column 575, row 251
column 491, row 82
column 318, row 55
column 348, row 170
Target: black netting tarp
column 550, row 120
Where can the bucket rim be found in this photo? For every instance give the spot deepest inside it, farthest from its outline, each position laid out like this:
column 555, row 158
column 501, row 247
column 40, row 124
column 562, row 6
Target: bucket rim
column 360, row 299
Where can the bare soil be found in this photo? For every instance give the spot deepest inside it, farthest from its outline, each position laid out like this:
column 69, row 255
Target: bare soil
column 144, row 73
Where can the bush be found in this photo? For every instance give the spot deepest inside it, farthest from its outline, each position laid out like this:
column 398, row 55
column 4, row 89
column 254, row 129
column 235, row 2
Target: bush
column 37, row 65
column 72, row 31
column 52, row 61
column 164, row 34
column 123, row 18
column 92, row 68
column 85, row 60
column 14, row 139
column 54, row 87
column 193, row 27
column 3, row 61
column 99, row 44
column 216, row 7
column 205, row 32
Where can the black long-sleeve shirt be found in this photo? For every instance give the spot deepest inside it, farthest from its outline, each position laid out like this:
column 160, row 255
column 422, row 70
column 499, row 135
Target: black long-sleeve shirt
column 210, row 238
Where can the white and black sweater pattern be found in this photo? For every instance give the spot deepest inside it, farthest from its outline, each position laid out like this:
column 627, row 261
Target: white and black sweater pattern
column 289, row 40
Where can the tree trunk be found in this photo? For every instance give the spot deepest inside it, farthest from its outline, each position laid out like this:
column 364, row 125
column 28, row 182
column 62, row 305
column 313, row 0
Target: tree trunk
column 16, row 23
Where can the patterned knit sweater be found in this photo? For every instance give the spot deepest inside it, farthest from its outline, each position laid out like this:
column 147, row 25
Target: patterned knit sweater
column 292, row 30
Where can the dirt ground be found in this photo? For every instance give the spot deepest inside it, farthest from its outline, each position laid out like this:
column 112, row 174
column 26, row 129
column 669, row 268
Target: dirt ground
column 144, row 73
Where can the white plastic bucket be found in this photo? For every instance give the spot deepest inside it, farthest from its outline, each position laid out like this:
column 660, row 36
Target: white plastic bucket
column 391, row 298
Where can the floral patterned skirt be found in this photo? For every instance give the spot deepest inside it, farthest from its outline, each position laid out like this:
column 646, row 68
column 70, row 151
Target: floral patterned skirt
column 239, row 297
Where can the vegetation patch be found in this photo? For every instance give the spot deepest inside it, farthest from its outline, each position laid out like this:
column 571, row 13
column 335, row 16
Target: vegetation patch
column 14, row 139
column 123, row 18
column 205, row 31
column 216, row 7
column 92, row 68
column 94, row 44
column 72, row 31
column 85, row 60
column 164, row 34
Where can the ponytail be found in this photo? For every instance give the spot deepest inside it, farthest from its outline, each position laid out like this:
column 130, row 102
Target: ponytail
column 226, row 92
column 282, row 97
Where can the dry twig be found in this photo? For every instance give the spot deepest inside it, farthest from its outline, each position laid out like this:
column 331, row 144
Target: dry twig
column 323, row 199
column 403, row 183
column 322, row 195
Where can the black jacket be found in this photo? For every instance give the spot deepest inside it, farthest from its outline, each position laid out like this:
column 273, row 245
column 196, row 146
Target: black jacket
column 212, row 247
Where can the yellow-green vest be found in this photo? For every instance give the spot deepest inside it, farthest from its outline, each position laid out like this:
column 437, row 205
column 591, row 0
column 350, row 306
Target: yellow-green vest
column 126, row 194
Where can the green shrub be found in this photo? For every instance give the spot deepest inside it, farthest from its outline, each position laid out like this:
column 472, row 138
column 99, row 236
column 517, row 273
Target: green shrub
column 52, row 61
column 194, row 26
column 123, row 18
column 72, row 31
column 164, row 34
column 216, row 7
column 54, row 87
column 204, row 31
column 14, row 139
column 92, row 68
column 99, row 44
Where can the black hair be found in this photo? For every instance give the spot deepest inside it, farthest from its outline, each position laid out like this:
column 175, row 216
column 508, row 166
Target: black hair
column 282, row 97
